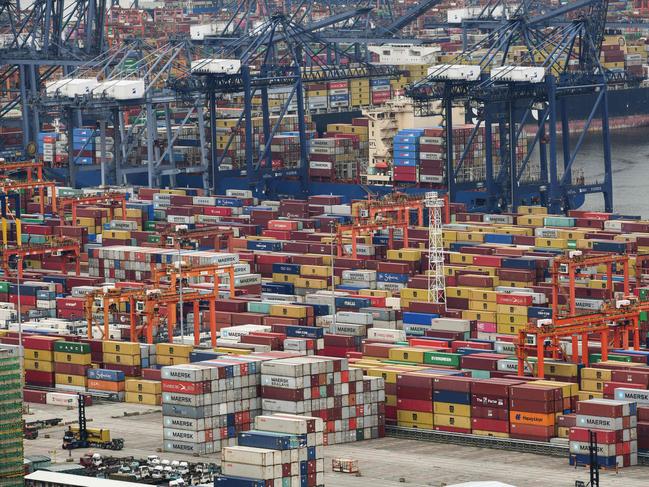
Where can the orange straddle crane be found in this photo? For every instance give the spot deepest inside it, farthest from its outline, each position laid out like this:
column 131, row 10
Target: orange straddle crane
column 56, row 247
column 357, row 229
column 616, row 319
column 180, row 237
column 112, row 199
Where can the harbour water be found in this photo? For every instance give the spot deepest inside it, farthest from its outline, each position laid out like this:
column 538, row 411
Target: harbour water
column 630, row 154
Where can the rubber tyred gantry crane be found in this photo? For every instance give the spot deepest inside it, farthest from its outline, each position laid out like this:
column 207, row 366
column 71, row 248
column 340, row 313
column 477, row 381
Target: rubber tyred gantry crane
column 112, row 199
column 56, row 247
column 357, row 229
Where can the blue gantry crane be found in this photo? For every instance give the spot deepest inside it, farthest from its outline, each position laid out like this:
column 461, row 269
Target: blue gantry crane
column 504, row 90
column 280, row 53
column 44, row 38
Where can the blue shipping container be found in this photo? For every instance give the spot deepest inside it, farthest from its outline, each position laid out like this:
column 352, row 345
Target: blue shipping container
column 280, row 268
column 105, row 374
column 452, row 396
column 419, row 318
column 265, row 439
column 230, row 481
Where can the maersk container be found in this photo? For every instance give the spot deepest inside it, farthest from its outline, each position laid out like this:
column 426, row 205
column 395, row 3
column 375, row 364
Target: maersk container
column 414, row 329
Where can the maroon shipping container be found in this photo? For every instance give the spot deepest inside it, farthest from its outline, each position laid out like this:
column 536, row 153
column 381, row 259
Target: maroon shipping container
column 38, row 397
column 39, row 378
column 494, row 387
column 529, row 432
column 496, row 425
column 151, row 374
column 610, row 409
column 40, row 342
column 603, row 436
column 545, row 407
column 455, row 384
column 129, row 370
column 490, row 413
column 633, row 376
column 231, row 305
column 70, row 369
column 282, row 394
column 530, row 392
column 380, row 350
column 489, row 401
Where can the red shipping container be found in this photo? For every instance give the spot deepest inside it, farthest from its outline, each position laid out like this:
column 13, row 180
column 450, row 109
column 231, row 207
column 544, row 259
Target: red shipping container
column 38, row 397
column 415, row 405
column 183, row 387
column 40, row 342
column 514, row 299
column 151, row 374
column 609, row 387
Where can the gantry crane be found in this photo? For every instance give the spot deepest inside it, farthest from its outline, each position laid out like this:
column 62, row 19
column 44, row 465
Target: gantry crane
column 568, row 267
column 618, row 316
column 178, row 236
column 177, row 274
column 112, row 199
column 56, row 247
column 106, row 301
column 396, row 206
column 358, row 229
column 505, row 90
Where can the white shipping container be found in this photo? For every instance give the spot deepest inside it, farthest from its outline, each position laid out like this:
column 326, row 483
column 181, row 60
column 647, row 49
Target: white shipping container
column 61, row 399
column 320, row 165
column 354, row 317
column 386, row 335
column 251, row 471
column 283, row 382
column 187, row 373
column 238, row 193
column 359, row 275
column 451, row 324
column 255, row 456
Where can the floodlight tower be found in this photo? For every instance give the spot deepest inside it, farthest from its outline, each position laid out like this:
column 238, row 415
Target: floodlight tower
column 436, row 283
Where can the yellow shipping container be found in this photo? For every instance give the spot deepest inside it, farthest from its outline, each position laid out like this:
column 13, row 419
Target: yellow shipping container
column 510, row 319
column 457, row 258
column 414, row 294
column 43, row 366
column 144, row 386
column 459, row 292
column 284, row 277
column 233, row 351
column 122, row 348
column 130, row 213
column 586, row 395
column 407, row 255
column 378, row 293
column 554, row 243
column 121, row 234
column 73, row 358
column 567, row 388
column 596, row 374
column 592, row 385
column 486, row 316
column 410, row 424
column 416, row 417
column 315, row 271
column 533, row 210
column 120, row 359
column 482, row 306
column 173, row 349
column 391, row 400
column 179, row 192
column 452, row 421
column 407, row 354
column 584, row 244
column 139, row 398
column 70, row 380
column 531, row 220
column 506, row 329
column 43, row 355
column 512, row 310
column 288, row 310
column 494, row 434
column 452, row 409
column 171, row 360
column 562, row 370
column 311, row 283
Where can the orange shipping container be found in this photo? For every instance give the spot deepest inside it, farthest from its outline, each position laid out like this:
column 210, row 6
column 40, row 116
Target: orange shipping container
column 105, row 385
column 534, row 419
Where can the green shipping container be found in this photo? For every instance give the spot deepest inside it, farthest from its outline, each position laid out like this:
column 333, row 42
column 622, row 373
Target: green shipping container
column 71, row 347
column 4, row 287
column 255, row 307
column 153, row 238
column 149, row 226
column 442, row 358
column 644, row 294
column 644, row 315
column 480, row 374
column 597, row 357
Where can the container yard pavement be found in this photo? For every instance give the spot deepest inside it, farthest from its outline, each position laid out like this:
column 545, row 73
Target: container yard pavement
column 383, row 463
